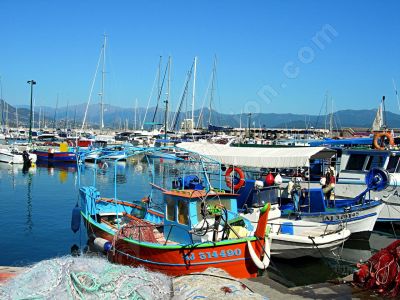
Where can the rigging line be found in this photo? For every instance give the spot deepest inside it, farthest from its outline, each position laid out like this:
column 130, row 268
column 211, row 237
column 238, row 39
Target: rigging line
column 151, row 96
column 159, row 93
column 91, row 89
column 183, row 97
column 204, row 101
column 319, row 114
column 177, row 112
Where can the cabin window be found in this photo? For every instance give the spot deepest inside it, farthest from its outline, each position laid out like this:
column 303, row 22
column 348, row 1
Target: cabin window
column 183, row 211
column 375, row 161
column 392, row 164
column 170, row 209
column 356, row 162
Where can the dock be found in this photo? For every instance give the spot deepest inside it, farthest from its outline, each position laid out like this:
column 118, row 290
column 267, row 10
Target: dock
column 267, row 287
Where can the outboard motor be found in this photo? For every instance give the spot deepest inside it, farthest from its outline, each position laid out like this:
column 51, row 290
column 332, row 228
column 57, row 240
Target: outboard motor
column 27, row 160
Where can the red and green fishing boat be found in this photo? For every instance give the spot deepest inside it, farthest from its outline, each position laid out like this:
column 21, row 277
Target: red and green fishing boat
column 198, row 227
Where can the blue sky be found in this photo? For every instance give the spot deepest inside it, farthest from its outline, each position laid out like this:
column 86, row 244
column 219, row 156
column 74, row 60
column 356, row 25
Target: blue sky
column 270, row 56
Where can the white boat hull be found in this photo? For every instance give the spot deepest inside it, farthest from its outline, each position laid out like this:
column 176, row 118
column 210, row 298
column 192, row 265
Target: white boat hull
column 360, row 222
column 303, row 239
column 12, row 158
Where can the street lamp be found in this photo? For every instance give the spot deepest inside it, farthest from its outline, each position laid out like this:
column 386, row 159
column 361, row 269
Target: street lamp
column 32, row 83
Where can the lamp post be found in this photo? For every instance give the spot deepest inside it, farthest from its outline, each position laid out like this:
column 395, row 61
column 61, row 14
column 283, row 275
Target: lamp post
column 32, row 83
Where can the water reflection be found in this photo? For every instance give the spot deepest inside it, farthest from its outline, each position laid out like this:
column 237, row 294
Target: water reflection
column 120, row 169
column 29, row 222
column 68, row 167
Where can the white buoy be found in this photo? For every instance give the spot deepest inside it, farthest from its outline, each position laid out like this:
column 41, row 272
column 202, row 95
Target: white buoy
column 102, row 244
column 278, row 179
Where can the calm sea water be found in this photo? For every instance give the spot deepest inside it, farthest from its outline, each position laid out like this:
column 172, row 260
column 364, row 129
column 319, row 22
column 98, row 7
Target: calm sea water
column 36, row 210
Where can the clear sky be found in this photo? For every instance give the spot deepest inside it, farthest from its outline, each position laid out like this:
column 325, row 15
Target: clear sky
column 273, row 56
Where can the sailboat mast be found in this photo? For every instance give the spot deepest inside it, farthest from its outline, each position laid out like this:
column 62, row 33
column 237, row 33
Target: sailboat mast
column 33, row 112
column 66, row 117
column 331, row 119
column 73, row 126
column 194, row 89
column 384, row 113
column 135, row 124
column 212, row 90
column 7, row 116
column 167, row 99
column 55, row 114
column 16, row 115
column 103, row 75
column 40, row 114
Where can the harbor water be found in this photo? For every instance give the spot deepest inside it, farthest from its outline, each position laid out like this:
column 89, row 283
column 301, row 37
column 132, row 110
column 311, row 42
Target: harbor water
column 36, row 207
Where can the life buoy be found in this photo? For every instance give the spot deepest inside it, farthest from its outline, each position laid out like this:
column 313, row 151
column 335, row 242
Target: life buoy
column 379, row 140
column 228, row 179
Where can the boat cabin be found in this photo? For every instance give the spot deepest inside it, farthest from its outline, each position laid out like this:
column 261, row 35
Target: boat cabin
column 188, row 219
column 355, row 163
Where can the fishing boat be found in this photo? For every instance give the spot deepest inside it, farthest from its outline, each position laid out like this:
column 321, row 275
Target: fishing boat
column 358, row 213
column 198, row 226
column 119, row 152
column 61, row 154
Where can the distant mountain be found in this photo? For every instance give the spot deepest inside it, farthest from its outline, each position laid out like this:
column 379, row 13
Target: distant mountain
column 121, row 118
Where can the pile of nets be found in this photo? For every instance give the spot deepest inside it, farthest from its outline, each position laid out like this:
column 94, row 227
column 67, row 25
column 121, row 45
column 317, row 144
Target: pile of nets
column 211, row 284
column 86, row 278
column 381, row 273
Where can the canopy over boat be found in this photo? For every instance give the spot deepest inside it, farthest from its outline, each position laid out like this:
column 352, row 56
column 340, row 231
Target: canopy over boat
column 260, row 157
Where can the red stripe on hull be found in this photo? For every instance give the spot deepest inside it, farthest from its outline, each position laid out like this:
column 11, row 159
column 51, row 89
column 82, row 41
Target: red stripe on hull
column 235, row 259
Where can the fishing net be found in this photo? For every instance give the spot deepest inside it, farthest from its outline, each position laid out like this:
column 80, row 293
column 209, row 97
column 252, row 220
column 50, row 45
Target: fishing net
column 211, row 284
column 86, row 278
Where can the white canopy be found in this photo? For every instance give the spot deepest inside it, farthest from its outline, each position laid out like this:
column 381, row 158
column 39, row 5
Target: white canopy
column 257, row 157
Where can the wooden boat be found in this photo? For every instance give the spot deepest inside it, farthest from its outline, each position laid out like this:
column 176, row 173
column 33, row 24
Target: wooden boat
column 197, row 228
column 52, row 154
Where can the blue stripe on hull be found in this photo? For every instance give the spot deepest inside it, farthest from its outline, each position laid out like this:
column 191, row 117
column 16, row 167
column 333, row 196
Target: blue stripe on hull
column 349, row 220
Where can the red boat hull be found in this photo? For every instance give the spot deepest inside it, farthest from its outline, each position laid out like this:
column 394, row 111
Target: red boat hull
column 174, row 260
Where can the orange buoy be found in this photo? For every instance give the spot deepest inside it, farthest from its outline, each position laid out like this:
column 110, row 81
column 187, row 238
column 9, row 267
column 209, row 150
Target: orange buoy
column 228, row 177
column 379, row 140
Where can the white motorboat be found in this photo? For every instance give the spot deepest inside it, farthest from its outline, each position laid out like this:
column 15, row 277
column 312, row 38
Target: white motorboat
column 298, row 238
column 14, row 156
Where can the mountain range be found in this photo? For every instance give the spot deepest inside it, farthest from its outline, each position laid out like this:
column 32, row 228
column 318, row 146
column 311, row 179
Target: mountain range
column 124, row 118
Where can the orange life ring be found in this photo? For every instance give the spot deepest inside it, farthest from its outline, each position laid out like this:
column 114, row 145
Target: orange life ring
column 379, row 137
column 229, row 181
